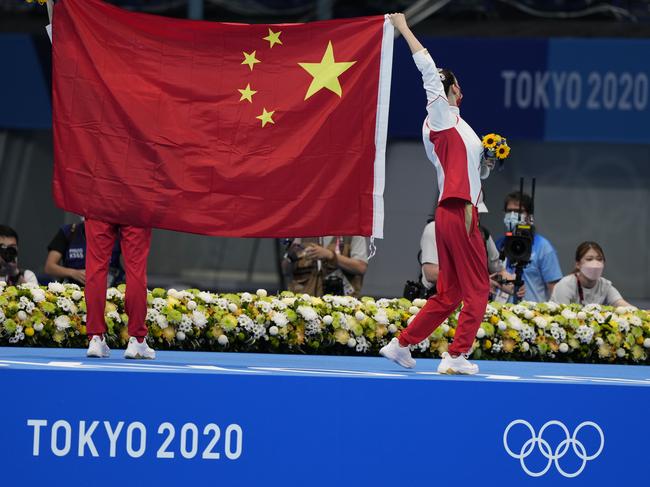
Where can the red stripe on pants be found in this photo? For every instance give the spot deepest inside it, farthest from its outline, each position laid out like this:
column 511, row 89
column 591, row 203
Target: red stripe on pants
column 135, row 243
column 463, row 278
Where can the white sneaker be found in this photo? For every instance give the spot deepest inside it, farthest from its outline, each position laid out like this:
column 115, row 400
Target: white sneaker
column 398, row 354
column 458, row 365
column 98, row 348
column 137, row 350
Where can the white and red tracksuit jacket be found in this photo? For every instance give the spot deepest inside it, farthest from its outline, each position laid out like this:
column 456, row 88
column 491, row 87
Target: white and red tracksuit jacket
column 452, row 146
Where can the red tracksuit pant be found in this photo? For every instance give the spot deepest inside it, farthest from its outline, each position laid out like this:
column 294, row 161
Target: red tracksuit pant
column 463, row 277
column 135, row 243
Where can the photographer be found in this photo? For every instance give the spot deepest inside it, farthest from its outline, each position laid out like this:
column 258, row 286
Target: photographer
column 66, row 256
column 326, row 265
column 543, row 270
column 9, row 270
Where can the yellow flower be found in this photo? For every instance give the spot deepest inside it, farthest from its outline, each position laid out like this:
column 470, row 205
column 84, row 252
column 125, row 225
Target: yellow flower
column 300, row 334
column 487, row 344
column 451, row 333
column 124, row 335
column 604, row 351
column 637, row 353
column 494, row 319
column 169, row 334
column 503, row 151
column 29, row 331
column 341, row 336
column 491, row 140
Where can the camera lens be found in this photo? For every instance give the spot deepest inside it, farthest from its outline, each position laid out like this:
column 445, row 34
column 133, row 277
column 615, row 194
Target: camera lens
column 518, row 247
column 8, row 254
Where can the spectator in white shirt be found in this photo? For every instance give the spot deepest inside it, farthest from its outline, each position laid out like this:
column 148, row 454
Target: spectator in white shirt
column 429, row 253
column 585, row 285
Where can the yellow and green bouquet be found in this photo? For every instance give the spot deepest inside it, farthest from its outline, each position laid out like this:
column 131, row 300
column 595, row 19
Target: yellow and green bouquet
column 497, row 146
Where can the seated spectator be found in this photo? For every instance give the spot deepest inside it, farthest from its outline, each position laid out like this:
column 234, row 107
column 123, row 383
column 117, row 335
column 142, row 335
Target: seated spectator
column 585, row 285
column 66, row 257
column 327, row 265
column 9, row 270
column 429, row 252
column 543, row 271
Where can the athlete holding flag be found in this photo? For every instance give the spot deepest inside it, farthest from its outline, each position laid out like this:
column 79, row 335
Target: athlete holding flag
column 456, row 152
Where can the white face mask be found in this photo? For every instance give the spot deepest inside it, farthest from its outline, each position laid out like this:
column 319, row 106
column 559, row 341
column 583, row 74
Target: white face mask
column 511, row 220
column 592, row 269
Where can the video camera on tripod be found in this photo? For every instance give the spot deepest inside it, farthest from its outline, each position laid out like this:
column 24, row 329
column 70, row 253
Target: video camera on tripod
column 518, row 244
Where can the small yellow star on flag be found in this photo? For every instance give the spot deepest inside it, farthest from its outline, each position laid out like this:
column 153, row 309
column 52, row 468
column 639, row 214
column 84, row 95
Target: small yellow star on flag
column 273, row 38
column 247, row 93
column 250, row 59
column 326, row 73
column 265, row 117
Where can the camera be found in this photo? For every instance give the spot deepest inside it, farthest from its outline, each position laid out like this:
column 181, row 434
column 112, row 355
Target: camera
column 8, row 254
column 518, row 245
column 333, row 285
column 414, row 290
column 294, row 251
column 499, row 279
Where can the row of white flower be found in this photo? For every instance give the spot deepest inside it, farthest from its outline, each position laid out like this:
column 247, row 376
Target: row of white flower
column 228, row 320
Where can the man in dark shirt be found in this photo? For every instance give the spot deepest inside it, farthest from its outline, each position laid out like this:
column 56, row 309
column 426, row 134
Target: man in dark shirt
column 66, row 257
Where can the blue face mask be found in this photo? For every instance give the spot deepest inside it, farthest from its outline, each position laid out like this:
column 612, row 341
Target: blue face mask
column 511, row 220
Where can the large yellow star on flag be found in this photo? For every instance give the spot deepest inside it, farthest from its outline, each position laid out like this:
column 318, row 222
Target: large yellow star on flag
column 250, row 59
column 247, row 93
column 265, row 117
column 326, row 73
column 273, row 38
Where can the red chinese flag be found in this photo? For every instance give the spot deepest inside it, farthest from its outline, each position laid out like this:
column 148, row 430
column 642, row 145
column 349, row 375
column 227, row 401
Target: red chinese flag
column 221, row 129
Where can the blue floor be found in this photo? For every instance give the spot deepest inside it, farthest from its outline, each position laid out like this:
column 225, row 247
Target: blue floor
column 318, row 366
column 242, row 420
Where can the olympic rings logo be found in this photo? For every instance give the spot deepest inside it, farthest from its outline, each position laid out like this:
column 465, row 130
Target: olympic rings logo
column 553, row 456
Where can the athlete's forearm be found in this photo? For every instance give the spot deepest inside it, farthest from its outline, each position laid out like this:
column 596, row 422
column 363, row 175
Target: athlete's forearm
column 412, row 41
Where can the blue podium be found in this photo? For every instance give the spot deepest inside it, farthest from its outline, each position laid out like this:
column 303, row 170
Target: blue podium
column 217, row 419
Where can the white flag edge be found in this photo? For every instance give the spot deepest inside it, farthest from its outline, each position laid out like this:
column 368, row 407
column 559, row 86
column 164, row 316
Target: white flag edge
column 381, row 128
